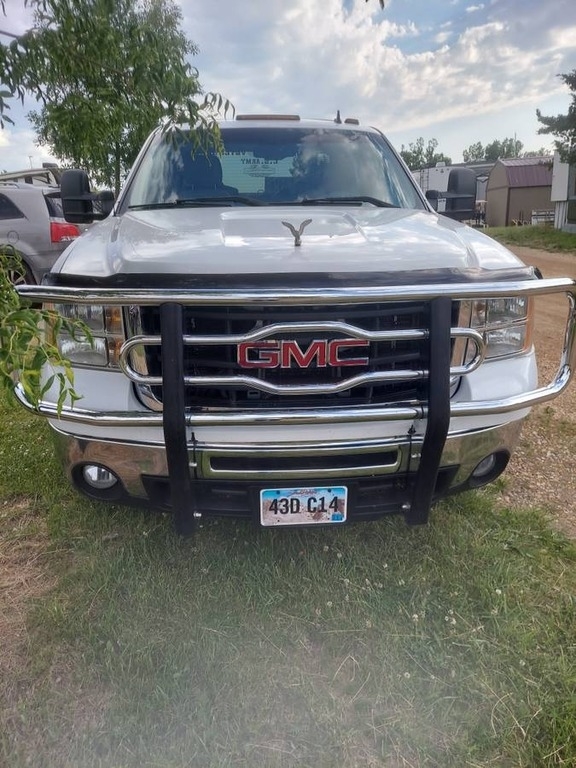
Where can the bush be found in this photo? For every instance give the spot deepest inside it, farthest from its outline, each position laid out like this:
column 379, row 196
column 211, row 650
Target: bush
column 24, row 349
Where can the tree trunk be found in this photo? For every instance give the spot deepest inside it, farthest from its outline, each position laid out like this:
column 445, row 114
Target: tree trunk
column 116, row 169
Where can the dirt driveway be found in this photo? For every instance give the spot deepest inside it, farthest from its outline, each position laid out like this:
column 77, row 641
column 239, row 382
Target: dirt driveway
column 542, row 471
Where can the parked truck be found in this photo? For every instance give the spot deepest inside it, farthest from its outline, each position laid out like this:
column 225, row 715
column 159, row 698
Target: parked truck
column 285, row 330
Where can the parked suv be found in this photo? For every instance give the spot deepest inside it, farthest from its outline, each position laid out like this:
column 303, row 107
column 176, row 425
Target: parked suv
column 32, row 222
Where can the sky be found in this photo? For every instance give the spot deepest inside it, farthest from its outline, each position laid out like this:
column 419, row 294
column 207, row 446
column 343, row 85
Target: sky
column 458, row 71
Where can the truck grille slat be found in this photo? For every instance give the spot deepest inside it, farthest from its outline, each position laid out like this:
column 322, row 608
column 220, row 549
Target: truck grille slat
column 220, row 360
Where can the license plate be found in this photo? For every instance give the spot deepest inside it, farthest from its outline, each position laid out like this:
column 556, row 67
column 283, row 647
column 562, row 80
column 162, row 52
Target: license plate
column 303, row 506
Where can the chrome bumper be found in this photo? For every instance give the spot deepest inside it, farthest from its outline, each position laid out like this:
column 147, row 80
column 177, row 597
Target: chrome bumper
column 293, row 416
column 288, row 463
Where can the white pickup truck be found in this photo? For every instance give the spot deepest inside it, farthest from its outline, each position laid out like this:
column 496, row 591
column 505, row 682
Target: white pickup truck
column 287, row 331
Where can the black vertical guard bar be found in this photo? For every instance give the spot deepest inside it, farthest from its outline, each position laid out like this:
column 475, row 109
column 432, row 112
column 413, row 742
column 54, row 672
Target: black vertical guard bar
column 174, row 424
column 438, row 421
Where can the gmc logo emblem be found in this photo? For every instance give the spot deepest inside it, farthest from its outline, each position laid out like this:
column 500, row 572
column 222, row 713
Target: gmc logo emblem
column 286, row 353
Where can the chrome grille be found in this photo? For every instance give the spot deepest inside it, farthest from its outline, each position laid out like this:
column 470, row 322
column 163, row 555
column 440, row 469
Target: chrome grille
column 219, row 361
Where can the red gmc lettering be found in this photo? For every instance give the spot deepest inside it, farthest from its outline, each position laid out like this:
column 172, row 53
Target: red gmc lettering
column 291, row 350
column 284, row 354
column 267, row 354
column 340, row 344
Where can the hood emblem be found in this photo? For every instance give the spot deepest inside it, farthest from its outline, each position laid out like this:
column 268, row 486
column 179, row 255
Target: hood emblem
column 297, row 232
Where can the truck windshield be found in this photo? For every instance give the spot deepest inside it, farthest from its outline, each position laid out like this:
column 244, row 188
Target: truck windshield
column 273, row 166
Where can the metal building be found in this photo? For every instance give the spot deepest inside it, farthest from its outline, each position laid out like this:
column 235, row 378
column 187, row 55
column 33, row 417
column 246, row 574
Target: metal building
column 517, row 188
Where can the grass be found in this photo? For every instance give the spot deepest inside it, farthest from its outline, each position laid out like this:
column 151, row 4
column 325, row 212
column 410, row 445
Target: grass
column 545, row 237
column 372, row 645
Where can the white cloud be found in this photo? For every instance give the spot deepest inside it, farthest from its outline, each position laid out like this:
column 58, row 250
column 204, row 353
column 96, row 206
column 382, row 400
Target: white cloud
column 18, row 150
column 442, row 37
column 563, row 38
column 359, row 62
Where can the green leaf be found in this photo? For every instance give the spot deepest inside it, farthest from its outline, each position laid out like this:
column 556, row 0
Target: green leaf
column 24, row 351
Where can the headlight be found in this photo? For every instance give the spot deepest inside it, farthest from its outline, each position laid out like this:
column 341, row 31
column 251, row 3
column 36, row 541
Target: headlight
column 92, row 315
column 99, row 336
column 81, row 350
column 506, row 324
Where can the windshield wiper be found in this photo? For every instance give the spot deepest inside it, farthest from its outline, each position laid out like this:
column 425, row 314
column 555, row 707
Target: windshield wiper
column 200, row 202
column 345, row 200
column 217, row 200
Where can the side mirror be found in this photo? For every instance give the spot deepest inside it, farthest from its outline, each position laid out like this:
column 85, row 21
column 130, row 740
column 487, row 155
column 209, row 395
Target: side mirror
column 79, row 204
column 106, row 201
column 461, row 194
column 432, row 195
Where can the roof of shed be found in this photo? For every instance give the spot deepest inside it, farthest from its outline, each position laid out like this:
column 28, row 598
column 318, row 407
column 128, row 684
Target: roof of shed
column 528, row 171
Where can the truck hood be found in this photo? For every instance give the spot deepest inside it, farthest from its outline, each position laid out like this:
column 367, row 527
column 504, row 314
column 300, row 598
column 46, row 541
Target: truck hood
column 242, row 241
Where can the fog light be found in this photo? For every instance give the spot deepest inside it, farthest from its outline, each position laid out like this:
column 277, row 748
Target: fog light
column 99, row 477
column 485, row 467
